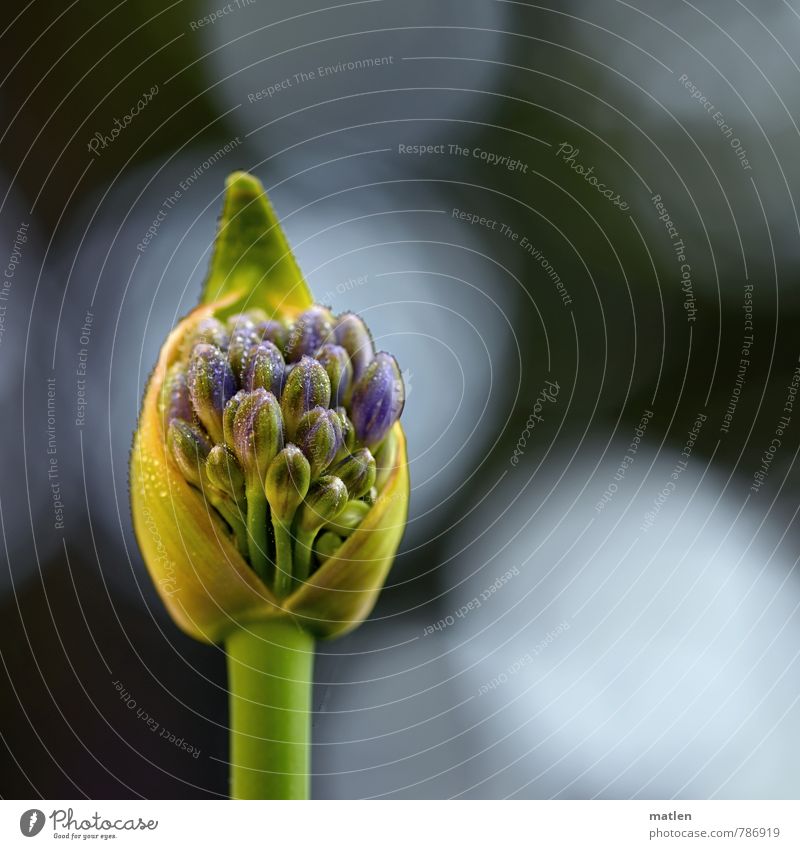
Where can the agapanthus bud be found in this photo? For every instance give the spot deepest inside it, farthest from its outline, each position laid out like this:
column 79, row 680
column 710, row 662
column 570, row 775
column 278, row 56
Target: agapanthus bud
column 272, row 331
column 287, row 482
column 225, row 473
column 250, row 318
column 242, row 339
column 175, row 400
column 336, row 362
column 352, row 334
column 327, row 545
column 257, row 432
column 325, row 500
column 211, row 385
column 263, row 369
column 313, row 328
column 377, row 399
column 189, row 449
column 229, row 414
column 307, row 386
column 211, row 332
column 348, row 433
column 349, row 519
column 357, row 472
column 319, row 435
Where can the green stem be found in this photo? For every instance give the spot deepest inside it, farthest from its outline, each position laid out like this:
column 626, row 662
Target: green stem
column 257, row 530
column 270, row 672
column 302, row 554
column 283, row 558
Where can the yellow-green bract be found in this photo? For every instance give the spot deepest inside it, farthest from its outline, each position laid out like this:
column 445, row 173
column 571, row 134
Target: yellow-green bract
column 205, row 582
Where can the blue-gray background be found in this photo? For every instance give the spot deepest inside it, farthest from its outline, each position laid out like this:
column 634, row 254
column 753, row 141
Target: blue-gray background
column 530, row 643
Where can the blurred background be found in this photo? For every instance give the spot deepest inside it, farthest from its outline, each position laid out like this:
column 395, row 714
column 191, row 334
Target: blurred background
column 576, row 225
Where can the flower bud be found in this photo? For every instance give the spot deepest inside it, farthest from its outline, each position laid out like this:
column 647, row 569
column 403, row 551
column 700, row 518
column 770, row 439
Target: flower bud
column 327, row 545
column 175, row 400
column 272, row 331
column 348, row 433
column 357, row 472
column 287, row 482
column 229, row 414
column 336, row 362
column 377, row 399
column 352, row 334
column 349, row 519
column 211, row 332
column 307, row 386
column 225, row 473
column 189, row 449
column 211, row 385
column 263, row 369
column 319, row 435
column 313, row 328
column 325, row 500
column 257, row 432
column 243, row 338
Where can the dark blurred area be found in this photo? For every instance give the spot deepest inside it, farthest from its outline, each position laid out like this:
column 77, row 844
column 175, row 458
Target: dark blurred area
column 597, row 592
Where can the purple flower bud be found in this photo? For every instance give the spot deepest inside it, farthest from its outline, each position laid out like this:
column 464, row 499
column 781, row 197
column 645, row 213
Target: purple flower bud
column 313, row 328
column 336, row 362
column 352, row 334
column 263, row 369
column 212, row 332
column 175, row 400
column 243, row 338
column 229, row 414
column 307, row 386
column 211, row 385
column 189, row 449
column 377, row 400
column 272, row 331
column 257, row 433
column 319, row 435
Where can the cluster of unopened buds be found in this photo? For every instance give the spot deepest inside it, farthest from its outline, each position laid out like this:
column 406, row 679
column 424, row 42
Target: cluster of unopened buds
column 281, row 427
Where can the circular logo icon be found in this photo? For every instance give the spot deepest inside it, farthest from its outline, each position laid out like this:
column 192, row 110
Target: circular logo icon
column 31, row 822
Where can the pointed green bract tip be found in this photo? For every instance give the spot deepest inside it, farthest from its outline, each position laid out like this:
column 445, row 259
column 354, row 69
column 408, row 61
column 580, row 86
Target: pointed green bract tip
column 252, row 263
